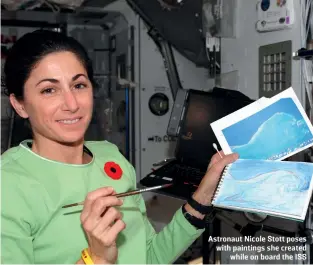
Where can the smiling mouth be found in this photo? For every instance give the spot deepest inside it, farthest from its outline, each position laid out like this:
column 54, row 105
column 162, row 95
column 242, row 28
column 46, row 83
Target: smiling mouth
column 69, row 121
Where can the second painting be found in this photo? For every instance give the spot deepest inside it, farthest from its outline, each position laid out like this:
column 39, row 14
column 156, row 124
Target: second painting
column 269, row 129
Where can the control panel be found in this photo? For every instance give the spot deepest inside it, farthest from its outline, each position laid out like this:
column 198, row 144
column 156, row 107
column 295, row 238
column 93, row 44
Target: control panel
column 275, row 15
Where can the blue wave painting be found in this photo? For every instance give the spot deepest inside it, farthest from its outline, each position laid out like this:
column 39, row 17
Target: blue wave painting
column 271, row 133
column 280, row 187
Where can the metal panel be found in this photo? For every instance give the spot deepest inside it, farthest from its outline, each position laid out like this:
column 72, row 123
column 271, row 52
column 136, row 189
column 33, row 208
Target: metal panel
column 177, row 111
column 100, row 62
column 153, row 79
column 91, row 37
column 181, row 26
column 242, row 53
column 274, row 68
column 120, row 95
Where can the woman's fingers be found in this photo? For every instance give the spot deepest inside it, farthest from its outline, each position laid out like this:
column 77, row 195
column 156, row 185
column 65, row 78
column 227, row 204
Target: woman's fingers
column 91, row 197
column 110, row 235
column 215, row 158
column 219, row 166
column 108, row 219
column 97, row 209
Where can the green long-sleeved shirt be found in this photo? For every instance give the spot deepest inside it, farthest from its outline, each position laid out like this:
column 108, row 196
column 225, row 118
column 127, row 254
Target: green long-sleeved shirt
column 36, row 229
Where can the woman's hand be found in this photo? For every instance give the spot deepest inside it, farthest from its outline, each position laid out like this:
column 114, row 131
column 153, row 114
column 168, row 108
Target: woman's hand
column 206, row 189
column 102, row 224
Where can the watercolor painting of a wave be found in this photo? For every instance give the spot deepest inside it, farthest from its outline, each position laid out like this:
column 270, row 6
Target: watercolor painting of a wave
column 267, row 186
column 270, row 134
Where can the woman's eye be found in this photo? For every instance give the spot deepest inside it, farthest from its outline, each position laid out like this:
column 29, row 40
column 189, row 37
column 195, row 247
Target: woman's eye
column 47, row 91
column 80, row 86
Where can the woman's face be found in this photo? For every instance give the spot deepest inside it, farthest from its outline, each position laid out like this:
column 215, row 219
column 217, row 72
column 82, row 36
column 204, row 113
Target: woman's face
column 58, row 98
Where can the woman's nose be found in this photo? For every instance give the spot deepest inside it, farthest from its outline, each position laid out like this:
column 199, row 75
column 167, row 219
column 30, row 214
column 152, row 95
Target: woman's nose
column 70, row 101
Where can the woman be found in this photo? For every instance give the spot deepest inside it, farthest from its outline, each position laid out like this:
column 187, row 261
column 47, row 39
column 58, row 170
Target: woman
column 49, row 80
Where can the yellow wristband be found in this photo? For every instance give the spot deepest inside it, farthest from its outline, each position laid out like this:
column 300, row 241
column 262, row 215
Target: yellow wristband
column 85, row 256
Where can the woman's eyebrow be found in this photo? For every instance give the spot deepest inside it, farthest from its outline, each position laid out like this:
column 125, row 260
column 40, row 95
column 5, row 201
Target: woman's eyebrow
column 52, row 80
column 77, row 76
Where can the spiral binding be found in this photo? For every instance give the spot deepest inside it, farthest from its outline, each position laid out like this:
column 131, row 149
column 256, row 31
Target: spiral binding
column 220, row 183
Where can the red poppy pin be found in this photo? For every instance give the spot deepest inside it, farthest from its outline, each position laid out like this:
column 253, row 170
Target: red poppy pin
column 113, row 170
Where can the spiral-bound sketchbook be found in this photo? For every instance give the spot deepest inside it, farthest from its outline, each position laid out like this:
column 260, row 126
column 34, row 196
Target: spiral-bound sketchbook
column 276, row 188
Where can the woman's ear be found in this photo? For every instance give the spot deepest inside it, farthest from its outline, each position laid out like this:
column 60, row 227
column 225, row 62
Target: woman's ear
column 18, row 106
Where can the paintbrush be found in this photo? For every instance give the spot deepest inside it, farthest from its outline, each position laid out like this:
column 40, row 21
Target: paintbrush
column 124, row 194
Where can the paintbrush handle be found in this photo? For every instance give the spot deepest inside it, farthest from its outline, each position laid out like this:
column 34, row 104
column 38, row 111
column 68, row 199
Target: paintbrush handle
column 124, row 194
column 134, row 192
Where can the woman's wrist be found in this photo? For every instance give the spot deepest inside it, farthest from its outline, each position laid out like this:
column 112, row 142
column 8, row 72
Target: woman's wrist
column 193, row 212
column 98, row 260
column 203, row 198
column 94, row 258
